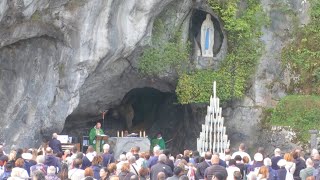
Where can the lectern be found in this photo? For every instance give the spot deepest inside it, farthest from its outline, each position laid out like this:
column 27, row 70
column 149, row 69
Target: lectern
column 99, row 139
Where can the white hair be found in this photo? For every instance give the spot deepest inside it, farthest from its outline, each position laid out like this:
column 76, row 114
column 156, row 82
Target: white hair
column 106, row 147
column 40, row 159
column 122, row 157
column 156, row 149
column 54, row 135
column 277, row 151
column 51, row 170
column 162, row 158
column 129, row 155
column 267, row 162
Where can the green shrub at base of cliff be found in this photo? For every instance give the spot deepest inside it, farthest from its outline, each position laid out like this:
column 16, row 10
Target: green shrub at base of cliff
column 301, row 113
column 303, row 54
column 244, row 49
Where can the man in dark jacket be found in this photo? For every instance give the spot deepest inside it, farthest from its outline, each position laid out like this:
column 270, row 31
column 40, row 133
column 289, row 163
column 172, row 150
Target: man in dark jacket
column 55, row 144
column 201, row 167
column 215, row 168
column 160, row 167
column 51, row 159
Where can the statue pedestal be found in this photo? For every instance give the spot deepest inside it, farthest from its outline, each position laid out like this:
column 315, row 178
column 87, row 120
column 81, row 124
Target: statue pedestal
column 123, row 144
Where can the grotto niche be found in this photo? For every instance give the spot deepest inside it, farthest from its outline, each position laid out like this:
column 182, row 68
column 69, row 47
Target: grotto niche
column 199, row 18
column 142, row 109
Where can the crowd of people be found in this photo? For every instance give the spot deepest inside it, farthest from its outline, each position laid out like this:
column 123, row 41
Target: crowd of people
column 52, row 163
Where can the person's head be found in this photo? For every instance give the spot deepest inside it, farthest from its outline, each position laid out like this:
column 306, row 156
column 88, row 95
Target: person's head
column 90, row 149
column 156, row 150
column 114, row 178
column 103, row 172
column 186, row 153
column 8, row 167
column 79, row 155
column 316, row 157
column 296, row 154
column 106, row 148
column 161, row 176
column 159, row 135
column 232, row 162
column 227, row 151
column 40, row 159
column 19, row 163
column 264, row 171
column 74, row 149
column 162, row 158
column 245, row 159
column 97, row 160
column 136, row 150
column 166, row 152
column 132, row 159
column 54, row 136
column 277, row 152
column 77, row 163
column 38, row 175
column 309, row 162
column 238, row 158
column 67, row 152
column 288, row 157
column 98, row 125
column 310, row 178
column 49, row 151
column 88, row 172
column 242, row 147
column 208, row 155
column 267, row 162
column 125, row 167
column 122, row 157
column 12, row 155
column 178, row 171
column 215, row 159
column 51, row 170
column 258, row 157
column 237, row 175
column 112, row 167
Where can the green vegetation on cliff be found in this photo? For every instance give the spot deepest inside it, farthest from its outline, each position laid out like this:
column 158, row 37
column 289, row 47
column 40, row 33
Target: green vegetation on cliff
column 302, row 55
column 301, row 113
column 243, row 27
column 164, row 56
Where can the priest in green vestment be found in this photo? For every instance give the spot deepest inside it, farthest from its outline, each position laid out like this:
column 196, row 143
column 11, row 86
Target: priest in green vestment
column 158, row 141
column 96, row 130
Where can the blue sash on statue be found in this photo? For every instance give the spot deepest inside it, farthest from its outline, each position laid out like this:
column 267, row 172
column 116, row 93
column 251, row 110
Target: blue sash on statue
column 206, row 45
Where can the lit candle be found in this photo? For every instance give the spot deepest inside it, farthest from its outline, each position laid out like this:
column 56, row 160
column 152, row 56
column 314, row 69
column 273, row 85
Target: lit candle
column 121, row 133
column 118, row 133
column 144, row 133
column 140, row 133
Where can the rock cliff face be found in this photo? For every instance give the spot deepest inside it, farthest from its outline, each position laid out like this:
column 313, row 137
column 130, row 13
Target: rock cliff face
column 54, row 54
column 72, row 59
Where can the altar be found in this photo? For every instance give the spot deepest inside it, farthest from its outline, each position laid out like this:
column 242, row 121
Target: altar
column 123, row 144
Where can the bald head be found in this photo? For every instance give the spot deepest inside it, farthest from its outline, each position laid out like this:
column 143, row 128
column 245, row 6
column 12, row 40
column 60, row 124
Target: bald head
column 215, row 159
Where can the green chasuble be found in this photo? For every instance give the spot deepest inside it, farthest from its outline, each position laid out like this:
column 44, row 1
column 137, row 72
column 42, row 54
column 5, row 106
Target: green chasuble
column 92, row 137
column 159, row 142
